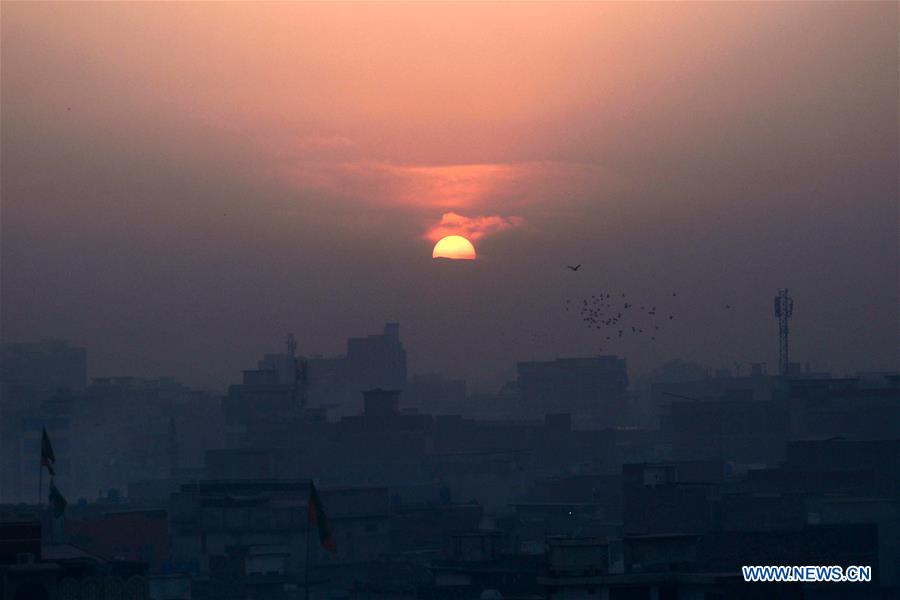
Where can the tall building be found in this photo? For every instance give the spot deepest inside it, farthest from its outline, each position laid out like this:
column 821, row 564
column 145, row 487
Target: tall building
column 377, row 361
column 262, row 402
column 594, row 387
column 283, row 384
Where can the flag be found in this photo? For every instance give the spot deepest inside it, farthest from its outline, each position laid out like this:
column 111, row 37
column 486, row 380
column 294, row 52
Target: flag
column 316, row 515
column 57, row 501
column 47, row 458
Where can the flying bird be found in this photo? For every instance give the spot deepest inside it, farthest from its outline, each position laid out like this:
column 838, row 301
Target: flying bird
column 575, row 268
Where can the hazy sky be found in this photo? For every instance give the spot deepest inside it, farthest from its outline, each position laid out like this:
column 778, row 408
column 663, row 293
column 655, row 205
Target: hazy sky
column 183, row 184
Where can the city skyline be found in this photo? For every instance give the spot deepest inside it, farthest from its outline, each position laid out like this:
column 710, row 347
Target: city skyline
column 286, row 168
column 449, row 300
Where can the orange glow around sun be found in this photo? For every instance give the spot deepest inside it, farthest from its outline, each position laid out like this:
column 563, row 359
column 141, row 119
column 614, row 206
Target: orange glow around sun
column 455, row 247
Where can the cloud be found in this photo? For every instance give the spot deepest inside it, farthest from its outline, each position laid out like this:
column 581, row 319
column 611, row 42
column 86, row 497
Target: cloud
column 478, row 187
column 444, row 187
column 473, row 228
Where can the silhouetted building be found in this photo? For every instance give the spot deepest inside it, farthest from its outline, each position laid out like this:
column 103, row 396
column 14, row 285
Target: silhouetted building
column 741, row 430
column 864, row 407
column 479, row 564
column 31, row 568
column 121, row 431
column 377, row 361
column 249, row 537
column 334, row 383
column 594, row 388
column 263, row 401
column 664, row 498
column 434, row 394
column 381, row 403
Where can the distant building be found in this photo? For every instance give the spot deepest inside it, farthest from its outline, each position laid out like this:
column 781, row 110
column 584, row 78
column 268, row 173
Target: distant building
column 478, row 564
column 670, row 498
column 866, row 407
column 756, row 387
column 122, row 431
column 735, row 428
column 138, row 535
column 31, row 568
column 377, row 361
column 248, row 538
column 334, row 383
column 593, row 387
column 434, row 394
column 261, row 401
column 39, row 382
column 381, row 403
column 36, row 370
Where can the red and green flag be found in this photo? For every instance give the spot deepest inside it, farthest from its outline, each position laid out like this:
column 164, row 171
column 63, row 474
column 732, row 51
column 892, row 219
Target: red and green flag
column 57, row 501
column 47, row 457
column 316, row 516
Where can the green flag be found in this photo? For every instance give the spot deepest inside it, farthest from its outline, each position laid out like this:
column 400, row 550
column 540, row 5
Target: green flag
column 57, row 501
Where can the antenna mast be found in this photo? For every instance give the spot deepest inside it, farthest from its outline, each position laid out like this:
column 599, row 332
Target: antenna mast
column 784, row 309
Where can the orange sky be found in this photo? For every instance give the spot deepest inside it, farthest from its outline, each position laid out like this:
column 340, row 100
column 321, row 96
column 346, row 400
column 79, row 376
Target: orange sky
column 674, row 137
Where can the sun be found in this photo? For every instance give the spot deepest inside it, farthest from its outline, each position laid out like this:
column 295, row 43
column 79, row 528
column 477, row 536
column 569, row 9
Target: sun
column 455, row 247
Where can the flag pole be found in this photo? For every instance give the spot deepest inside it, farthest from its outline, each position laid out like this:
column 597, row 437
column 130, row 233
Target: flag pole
column 306, row 565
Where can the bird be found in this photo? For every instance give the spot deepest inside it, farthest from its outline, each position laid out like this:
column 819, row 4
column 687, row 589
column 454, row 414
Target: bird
column 727, row 306
column 575, row 268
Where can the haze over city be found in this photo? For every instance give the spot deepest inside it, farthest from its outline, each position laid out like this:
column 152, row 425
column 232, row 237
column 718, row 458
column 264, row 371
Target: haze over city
column 449, row 301
column 183, row 184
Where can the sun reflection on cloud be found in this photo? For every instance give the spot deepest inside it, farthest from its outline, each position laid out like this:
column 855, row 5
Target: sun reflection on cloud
column 479, row 187
column 473, row 228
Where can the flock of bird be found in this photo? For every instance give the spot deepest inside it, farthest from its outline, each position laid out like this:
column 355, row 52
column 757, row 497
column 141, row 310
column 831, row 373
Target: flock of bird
column 615, row 315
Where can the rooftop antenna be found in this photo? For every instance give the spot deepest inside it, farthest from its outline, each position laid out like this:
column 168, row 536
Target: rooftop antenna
column 784, row 309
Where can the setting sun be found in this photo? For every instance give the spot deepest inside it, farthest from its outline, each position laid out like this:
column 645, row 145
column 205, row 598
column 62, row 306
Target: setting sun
column 454, row 247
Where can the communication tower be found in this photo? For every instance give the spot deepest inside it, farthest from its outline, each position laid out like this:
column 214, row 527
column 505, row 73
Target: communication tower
column 784, row 308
